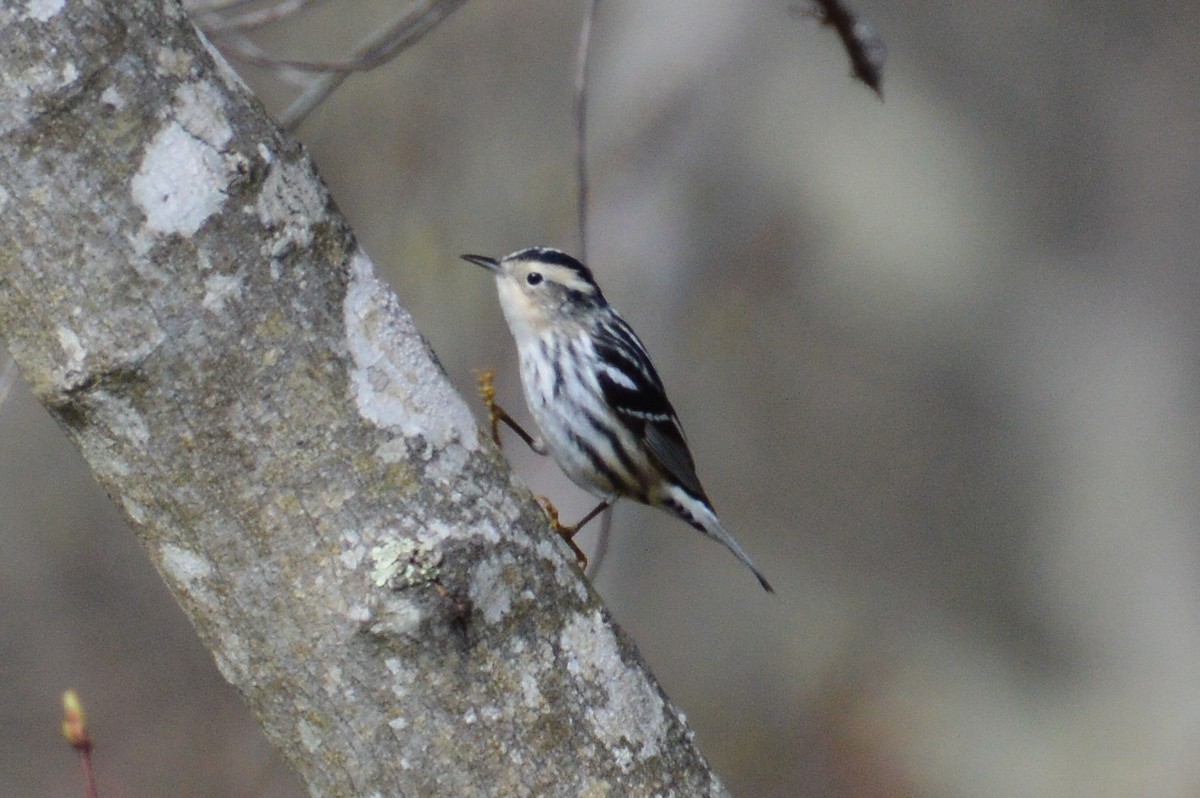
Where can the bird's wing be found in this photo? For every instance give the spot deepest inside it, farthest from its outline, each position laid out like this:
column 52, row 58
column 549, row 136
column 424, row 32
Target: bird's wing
column 633, row 390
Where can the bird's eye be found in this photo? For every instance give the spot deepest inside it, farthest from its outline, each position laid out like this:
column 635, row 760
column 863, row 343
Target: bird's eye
column 533, row 278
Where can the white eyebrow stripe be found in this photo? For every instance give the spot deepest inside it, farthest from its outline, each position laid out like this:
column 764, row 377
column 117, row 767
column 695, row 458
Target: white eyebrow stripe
column 567, row 278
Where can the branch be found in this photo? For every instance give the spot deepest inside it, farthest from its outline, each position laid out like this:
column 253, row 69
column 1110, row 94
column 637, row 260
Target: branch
column 865, row 49
column 377, row 49
column 180, row 292
column 582, row 75
column 230, row 18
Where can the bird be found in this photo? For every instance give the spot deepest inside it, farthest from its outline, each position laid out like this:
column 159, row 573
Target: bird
column 596, row 398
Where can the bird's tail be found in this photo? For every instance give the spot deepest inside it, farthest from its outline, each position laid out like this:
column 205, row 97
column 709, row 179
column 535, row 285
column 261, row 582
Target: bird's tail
column 700, row 514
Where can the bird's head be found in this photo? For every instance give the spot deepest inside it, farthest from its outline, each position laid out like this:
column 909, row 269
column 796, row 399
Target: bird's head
column 541, row 287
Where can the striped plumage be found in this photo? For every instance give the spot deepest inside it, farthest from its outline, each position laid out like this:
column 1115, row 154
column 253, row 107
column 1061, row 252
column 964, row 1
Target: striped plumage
column 596, row 397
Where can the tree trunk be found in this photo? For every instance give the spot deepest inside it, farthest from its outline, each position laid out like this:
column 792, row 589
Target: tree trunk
column 180, row 292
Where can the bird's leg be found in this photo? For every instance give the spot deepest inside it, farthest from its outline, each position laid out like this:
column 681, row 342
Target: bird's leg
column 568, row 532
column 487, row 390
column 595, row 511
column 497, row 414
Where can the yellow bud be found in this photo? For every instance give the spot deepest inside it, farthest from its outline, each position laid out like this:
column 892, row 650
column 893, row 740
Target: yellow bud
column 74, row 726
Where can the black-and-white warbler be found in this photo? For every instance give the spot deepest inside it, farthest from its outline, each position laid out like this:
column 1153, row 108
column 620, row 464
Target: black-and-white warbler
column 597, row 400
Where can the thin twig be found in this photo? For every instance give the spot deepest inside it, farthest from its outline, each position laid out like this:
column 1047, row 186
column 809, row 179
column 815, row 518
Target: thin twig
column 374, row 50
column 313, row 95
column 582, row 61
column 866, row 50
column 215, row 24
column 582, row 82
column 216, row 6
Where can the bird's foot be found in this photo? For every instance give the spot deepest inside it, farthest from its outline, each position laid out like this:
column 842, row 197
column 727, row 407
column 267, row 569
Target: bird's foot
column 497, row 414
column 487, row 389
column 567, row 533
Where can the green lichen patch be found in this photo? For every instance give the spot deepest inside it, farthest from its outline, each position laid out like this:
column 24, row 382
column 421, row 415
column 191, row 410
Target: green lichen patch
column 405, row 562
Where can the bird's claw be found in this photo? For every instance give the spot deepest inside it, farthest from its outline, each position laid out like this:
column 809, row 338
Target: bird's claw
column 487, row 389
column 498, row 415
column 567, row 533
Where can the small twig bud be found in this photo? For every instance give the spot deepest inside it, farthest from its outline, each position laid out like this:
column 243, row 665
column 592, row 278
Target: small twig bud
column 74, row 728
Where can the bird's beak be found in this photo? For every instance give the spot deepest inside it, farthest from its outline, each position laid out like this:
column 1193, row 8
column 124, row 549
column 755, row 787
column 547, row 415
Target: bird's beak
column 491, row 264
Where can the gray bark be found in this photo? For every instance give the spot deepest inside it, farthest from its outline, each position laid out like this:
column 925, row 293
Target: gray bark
column 180, row 292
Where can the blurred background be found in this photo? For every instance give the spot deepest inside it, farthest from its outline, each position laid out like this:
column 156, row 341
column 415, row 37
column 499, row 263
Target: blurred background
column 937, row 360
